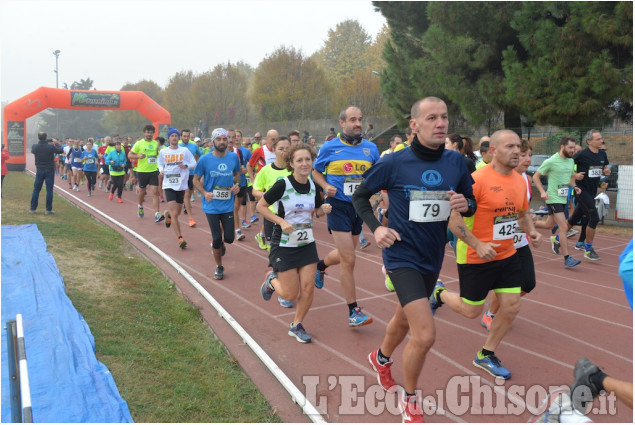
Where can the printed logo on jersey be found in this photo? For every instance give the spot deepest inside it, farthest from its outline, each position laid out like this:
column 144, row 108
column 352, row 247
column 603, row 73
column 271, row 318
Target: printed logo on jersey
column 222, row 167
column 348, row 167
column 495, row 189
column 431, row 178
column 338, row 151
column 366, row 151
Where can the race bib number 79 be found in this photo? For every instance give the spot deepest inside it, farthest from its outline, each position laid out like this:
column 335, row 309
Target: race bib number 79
column 429, row 206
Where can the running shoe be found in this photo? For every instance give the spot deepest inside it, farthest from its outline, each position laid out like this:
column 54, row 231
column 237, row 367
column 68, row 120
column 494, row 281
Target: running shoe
column 261, row 241
column 192, row 223
column 168, row 219
column 48, row 212
column 363, row 244
column 245, row 225
column 411, row 412
column 140, row 212
column 435, row 301
column 319, row 279
column 218, row 274
column 192, row 198
column 583, row 386
column 158, row 217
column 572, row 232
column 253, row 219
column 384, row 376
column 119, row 200
column 492, row 365
column 591, row 255
column 239, row 235
column 299, row 333
column 285, row 303
column 555, row 245
column 90, row 194
column 580, row 246
column 31, row 211
column 182, row 243
column 571, row 262
column 111, row 196
column 486, row 320
column 266, row 289
column 358, row 318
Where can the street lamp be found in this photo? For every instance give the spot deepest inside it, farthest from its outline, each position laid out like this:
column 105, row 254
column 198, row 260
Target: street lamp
column 57, row 55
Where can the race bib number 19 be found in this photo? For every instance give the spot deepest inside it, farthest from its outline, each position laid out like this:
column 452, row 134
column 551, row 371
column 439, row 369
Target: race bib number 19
column 351, row 184
column 505, row 227
column 429, row 206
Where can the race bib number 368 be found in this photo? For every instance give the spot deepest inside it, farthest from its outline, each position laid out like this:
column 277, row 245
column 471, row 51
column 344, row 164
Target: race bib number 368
column 429, row 206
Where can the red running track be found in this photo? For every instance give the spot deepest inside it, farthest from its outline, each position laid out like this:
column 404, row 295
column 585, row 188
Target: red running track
column 572, row 313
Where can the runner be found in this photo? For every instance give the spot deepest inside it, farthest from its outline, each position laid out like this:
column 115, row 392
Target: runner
column 146, row 151
column 593, row 162
column 265, row 179
column 427, row 185
column 234, row 146
column 174, row 164
column 189, row 192
column 116, row 160
column 104, row 176
column 561, row 176
column 220, row 171
column 75, row 155
column 293, row 253
column 501, row 196
column 262, row 156
column 344, row 159
column 247, row 205
column 89, row 159
column 521, row 243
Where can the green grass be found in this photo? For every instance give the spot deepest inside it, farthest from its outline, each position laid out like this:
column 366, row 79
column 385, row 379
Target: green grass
column 166, row 363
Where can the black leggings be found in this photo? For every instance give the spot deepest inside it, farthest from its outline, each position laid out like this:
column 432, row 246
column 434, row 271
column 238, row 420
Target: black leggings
column 91, row 178
column 226, row 234
column 117, row 184
column 585, row 206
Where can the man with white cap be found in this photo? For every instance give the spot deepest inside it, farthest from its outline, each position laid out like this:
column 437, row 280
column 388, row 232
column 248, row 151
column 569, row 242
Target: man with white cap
column 220, row 171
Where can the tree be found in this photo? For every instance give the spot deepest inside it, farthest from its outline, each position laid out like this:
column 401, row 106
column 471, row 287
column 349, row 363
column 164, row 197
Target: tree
column 131, row 122
column 179, row 100
column 345, row 51
column 220, row 95
column 580, row 62
column 289, row 86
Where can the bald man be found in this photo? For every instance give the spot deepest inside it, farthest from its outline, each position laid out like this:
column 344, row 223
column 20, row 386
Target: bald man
column 503, row 206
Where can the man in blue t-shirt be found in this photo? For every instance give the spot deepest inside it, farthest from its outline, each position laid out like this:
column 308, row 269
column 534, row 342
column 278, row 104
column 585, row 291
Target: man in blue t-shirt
column 429, row 189
column 220, row 171
column 338, row 169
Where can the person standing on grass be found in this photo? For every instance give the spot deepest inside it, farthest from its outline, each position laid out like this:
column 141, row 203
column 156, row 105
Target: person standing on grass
column 293, row 254
column 174, row 164
column 45, row 171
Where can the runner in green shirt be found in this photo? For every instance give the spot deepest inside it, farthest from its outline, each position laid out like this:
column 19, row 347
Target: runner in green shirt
column 559, row 168
column 146, row 151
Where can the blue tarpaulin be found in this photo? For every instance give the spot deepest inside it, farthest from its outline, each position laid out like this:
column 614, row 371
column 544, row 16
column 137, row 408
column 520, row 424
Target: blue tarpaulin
column 68, row 383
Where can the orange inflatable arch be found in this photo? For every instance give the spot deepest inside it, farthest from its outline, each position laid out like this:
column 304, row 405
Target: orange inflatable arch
column 16, row 113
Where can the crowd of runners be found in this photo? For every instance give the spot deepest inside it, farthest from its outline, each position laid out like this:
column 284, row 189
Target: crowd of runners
column 428, row 189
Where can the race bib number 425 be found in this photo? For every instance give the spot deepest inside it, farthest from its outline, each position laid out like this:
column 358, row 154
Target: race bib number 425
column 429, row 206
column 505, row 227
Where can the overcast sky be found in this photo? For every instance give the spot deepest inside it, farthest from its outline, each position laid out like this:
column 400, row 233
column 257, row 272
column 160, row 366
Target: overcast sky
column 116, row 42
